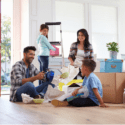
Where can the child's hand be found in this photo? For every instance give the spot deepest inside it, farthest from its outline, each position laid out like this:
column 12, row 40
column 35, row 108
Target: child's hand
column 103, row 105
column 75, row 92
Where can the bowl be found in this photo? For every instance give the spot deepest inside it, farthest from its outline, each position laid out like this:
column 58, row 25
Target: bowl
column 38, row 101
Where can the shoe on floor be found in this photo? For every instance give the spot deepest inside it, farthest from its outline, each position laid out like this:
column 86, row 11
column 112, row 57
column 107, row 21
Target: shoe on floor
column 58, row 103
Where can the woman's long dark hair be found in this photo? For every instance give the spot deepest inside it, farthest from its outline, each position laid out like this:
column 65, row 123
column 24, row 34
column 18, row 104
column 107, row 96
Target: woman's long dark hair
column 44, row 26
column 85, row 33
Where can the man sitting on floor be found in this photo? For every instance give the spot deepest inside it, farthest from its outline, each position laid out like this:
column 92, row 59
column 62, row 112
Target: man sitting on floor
column 23, row 75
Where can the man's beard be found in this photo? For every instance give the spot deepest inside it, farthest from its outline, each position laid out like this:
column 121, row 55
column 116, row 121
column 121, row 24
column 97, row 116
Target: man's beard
column 28, row 60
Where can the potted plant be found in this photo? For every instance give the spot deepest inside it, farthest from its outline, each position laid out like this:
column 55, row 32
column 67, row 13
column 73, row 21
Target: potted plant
column 113, row 48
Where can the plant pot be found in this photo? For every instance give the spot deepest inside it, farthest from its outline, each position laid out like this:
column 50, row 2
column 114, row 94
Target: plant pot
column 113, row 54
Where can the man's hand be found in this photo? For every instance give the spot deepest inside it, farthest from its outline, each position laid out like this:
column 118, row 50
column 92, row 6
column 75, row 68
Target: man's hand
column 34, row 78
column 40, row 76
column 75, row 92
column 103, row 105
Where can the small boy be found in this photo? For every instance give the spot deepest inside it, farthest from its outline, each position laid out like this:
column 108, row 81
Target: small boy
column 94, row 86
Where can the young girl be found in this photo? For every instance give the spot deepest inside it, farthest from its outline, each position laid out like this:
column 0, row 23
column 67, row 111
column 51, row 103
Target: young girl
column 44, row 48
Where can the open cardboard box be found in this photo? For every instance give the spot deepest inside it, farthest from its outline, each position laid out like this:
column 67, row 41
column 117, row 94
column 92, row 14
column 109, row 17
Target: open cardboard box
column 113, row 86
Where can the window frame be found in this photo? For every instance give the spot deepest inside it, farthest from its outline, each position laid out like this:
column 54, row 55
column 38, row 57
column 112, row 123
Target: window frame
column 88, row 13
column 90, row 20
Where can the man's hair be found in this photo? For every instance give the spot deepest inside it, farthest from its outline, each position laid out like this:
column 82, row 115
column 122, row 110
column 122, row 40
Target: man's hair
column 90, row 64
column 26, row 49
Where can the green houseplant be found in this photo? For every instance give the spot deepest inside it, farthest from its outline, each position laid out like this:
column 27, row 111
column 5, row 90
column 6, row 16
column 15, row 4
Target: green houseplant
column 113, row 48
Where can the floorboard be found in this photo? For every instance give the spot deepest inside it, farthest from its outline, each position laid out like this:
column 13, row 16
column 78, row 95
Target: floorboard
column 19, row 113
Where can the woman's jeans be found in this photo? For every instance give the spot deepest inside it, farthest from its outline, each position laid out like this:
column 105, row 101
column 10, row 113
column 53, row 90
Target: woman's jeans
column 44, row 62
column 30, row 89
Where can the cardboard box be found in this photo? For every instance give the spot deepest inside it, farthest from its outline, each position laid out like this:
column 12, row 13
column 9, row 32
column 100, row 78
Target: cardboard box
column 113, row 86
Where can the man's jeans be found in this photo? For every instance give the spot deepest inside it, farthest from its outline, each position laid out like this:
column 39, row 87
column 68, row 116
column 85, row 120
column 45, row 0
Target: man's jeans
column 30, row 89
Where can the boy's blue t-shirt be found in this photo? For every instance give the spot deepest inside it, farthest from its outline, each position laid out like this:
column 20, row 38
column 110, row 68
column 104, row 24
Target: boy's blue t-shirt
column 93, row 82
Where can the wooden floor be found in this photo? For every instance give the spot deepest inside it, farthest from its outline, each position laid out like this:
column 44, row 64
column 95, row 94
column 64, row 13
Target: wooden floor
column 19, row 113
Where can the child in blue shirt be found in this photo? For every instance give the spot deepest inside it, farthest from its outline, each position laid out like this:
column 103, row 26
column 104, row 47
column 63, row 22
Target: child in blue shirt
column 44, row 48
column 93, row 84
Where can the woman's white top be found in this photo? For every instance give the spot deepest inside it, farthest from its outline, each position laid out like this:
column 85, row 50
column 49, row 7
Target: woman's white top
column 79, row 58
column 80, row 54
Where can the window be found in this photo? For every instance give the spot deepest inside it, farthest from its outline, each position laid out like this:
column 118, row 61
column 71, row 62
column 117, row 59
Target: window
column 104, row 28
column 100, row 21
column 71, row 15
column 6, row 15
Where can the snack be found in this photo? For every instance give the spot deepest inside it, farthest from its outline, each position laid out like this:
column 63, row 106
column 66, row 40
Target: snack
column 64, row 75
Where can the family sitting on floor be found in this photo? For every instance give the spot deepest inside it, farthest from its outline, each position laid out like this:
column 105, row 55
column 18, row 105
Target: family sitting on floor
column 24, row 73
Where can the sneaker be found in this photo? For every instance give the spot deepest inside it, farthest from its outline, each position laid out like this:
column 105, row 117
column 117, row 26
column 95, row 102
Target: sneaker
column 58, row 103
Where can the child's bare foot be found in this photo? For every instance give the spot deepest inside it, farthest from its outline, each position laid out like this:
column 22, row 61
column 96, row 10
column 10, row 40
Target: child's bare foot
column 58, row 103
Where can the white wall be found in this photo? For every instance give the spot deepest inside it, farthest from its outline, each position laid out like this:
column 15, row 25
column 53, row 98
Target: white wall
column 16, row 30
column 24, row 24
column 122, row 29
column 122, row 26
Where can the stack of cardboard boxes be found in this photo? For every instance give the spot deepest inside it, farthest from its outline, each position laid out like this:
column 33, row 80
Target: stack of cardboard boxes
column 113, row 86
